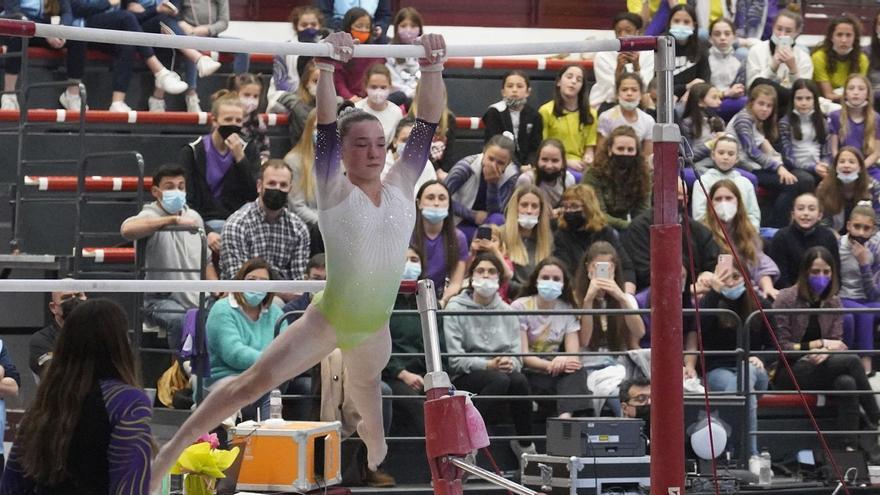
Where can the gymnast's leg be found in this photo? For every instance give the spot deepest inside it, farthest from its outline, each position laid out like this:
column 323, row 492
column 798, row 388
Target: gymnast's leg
column 363, row 369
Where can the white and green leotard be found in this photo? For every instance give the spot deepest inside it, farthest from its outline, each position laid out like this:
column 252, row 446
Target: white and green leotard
column 365, row 244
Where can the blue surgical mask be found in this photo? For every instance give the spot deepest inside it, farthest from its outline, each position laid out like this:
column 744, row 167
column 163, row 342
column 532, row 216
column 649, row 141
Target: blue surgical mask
column 549, row 290
column 253, row 297
column 735, row 292
column 412, row 270
column 173, row 200
column 681, row 32
column 847, row 178
column 435, row 215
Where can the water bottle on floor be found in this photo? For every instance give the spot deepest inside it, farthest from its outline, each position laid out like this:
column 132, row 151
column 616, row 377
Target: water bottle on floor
column 765, row 476
column 275, row 404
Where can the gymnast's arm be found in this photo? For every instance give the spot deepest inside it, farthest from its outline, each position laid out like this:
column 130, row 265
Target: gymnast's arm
column 327, row 161
column 430, row 106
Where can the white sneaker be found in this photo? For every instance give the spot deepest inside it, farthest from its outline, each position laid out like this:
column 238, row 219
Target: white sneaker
column 207, row 66
column 156, row 104
column 119, row 106
column 170, row 82
column 192, row 103
column 70, row 101
column 9, row 102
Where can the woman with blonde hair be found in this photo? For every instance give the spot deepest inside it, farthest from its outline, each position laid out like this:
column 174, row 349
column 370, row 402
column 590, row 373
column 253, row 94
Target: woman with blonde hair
column 302, row 199
column 526, row 233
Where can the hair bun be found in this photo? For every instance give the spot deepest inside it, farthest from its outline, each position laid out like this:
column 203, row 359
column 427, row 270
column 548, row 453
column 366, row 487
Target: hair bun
column 864, row 202
column 508, row 135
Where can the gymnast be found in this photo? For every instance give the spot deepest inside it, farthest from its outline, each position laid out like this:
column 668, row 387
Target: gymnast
column 367, row 225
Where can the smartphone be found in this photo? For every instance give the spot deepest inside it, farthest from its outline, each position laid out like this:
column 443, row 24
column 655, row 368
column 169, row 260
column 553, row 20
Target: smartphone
column 725, row 261
column 484, row 232
column 603, row 269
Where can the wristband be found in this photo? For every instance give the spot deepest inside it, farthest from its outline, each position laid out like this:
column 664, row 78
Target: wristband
column 432, row 68
column 325, row 66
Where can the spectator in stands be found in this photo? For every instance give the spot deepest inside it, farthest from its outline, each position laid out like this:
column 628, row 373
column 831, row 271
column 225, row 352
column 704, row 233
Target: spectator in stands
column 727, row 66
column 240, row 326
column 778, row 61
column 513, row 114
column 818, row 335
column 395, row 151
column 41, row 345
column 88, row 428
column 442, row 153
column 856, row 124
column 337, row 10
column 859, row 276
column 160, row 17
column 791, row 242
column 303, row 201
column 756, row 128
column 10, row 381
column 494, row 245
column 569, row 118
column 874, row 55
column 608, row 66
column 549, row 174
column 700, row 122
column 526, row 233
column 499, row 375
column 549, row 288
column 725, row 154
column 839, row 56
column 635, row 400
column 627, row 113
column 253, row 130
column 636, row 241
column 445, row 247
column 847, row 185
column 301, row 102
column 42, row 12
column 316, row 269
column 350, row 77
column 691, row 53
column 169, row 250
column 803, row 132
column 720, row 332
column 289, row 72
column 654, row 13
column 598, row 284
column 265, row 228
column 746, row 244
column 377, row 81
column 582, row 224
column 481, row 184
column 102, row 14
column 206, row 18
column 221, row 169
column 621, row 178
column 405, row 72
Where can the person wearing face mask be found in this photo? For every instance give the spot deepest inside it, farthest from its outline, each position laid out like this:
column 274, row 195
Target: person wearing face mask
column 303, row 199
column 396, row 147
column 627, row 113
column 289, row 71
column 839, row 55
column 253, row 130
column 499, row 375
column 526, row 234
column 721, row 333
column 803, row 132
column 846, row 185
column 635, row 401
column 607, row 66
column 337, row 10
column 169, row 250
column 549, row 288
column 789, row 244
column 621, row 178
column 266, row 228
column 445, row 247
column 378, row 85
column 513, row 114
column 817, row 367
column 405, row 72
column 221, row 169
column 691, row 52
column 350, row 77
column 779, row 61
column 549, row 175
column 856, row 124
column 300, row 103
column 41, row 344
column 725, row 154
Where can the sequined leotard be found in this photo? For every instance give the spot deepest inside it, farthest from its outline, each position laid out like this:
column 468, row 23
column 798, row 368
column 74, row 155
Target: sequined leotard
column 365, row 244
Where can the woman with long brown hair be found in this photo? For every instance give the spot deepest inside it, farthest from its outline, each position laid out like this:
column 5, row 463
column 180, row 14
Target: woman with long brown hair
column 847, row 184
column 88, row 429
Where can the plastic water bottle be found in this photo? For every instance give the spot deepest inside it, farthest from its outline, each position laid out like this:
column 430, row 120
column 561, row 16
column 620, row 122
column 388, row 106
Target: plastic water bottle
column 275, row 404
column 765, row 476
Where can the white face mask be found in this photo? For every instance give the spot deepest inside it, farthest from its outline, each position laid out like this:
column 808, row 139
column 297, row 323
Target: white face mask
column 527, row 221
column 628, row 105
column 485, row 287
column 726, row 210
column 313, row 89
column 250, row 104
column 377, row 96
column 857, row 105
column 847, row 178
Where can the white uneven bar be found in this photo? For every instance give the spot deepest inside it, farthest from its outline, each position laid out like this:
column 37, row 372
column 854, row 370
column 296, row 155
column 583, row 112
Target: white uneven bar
column 316, row 49
column 81, row 285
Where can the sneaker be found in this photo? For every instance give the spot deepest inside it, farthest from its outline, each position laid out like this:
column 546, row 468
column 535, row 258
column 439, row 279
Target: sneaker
column 378, row 478
column 119, row 106
column 71, row 102
column 519, row 450
column 170, row 82
column 193, row 104
column 156, row 104
column 9, row 102
column 207, row 66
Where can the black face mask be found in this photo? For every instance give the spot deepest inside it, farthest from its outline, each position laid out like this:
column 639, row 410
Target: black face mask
column 68, row 305
column 624, row 162
column 643, row 412
column 308, row 35
column 574, row 219
column 227, row 130
column 551, row 177
column 861, row 240
column 274, row 199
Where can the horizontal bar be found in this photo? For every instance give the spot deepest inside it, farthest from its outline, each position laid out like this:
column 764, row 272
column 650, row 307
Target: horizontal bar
column 85, row 285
